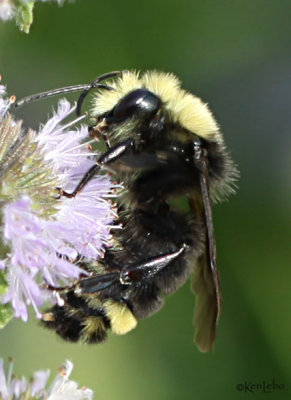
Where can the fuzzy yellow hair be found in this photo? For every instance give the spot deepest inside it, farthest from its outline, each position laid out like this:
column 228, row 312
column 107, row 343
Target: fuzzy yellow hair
column 185, row 109
column 121, row 318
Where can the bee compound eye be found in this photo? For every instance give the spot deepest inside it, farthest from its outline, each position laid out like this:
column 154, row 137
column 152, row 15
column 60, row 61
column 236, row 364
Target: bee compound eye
column 140, row 102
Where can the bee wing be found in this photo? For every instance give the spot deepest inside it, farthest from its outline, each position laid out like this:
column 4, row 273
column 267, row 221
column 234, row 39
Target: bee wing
column 206, row 284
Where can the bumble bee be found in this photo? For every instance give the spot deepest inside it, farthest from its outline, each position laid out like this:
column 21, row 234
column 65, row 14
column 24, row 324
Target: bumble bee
column 163, row 144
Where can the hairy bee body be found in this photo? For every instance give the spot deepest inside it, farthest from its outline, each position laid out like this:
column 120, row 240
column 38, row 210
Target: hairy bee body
column 165, row 126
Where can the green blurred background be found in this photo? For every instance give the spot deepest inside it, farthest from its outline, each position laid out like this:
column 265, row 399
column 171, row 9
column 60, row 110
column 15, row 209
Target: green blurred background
column 235, row 54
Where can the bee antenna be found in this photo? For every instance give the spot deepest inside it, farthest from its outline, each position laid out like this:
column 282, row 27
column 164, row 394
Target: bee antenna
column 95, row 84
column 50, row 93
column 69, row 89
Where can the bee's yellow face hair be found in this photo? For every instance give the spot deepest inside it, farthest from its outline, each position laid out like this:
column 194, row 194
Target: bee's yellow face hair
column 185, row 108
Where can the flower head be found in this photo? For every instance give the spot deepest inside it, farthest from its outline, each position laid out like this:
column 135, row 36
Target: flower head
column 62, row 388
column 44, row 235
column 21, row 10
column 7, row 10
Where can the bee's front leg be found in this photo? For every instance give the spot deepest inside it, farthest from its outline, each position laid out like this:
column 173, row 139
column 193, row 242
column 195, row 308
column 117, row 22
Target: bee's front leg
column 105, row 159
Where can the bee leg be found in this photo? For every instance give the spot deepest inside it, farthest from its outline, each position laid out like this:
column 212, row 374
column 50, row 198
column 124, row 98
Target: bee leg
column 109, row 156
column 148, row 269
column 127, row 275
column 96, row 283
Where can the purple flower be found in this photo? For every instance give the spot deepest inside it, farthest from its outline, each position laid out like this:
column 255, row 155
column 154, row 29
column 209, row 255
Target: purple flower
column 38, row 382
column 86, row 218
column 20, row 10
column 4, row 102
column 11, row 387
column 34, row 243
column 62, row 388
column 44, row 234
column 7, row 10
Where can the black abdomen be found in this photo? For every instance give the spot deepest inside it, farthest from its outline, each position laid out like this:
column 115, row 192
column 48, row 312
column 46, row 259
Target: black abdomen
column 146, row 235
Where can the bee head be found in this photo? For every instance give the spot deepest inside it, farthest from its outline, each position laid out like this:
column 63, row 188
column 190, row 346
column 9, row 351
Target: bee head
column 137, row 99
column 140, row 103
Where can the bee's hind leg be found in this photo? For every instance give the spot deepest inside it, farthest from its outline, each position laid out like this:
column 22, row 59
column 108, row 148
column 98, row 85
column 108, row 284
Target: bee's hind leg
column 149, row 268
column 145, row 270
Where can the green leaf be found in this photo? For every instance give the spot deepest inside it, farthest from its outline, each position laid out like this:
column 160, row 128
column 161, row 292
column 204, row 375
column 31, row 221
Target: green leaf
column 24, row 16
column 3, row 283
column 6, row 313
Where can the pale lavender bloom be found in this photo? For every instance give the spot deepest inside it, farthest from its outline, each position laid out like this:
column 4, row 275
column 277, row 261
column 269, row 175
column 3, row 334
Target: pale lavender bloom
column 60, row 2
column 2, row 89
column 88, row 216
column 11, row 387
column 35, row 241
column 19, row 386
column 90, row 219
column 62, row 147
column 7, row 10
column 23, row 290
column 43, row 248
column 4, row 102
column 37, row 245
column 5, row 383
column 8, row 7
column 62, row 388
column 21, row 11
column 39, row 381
